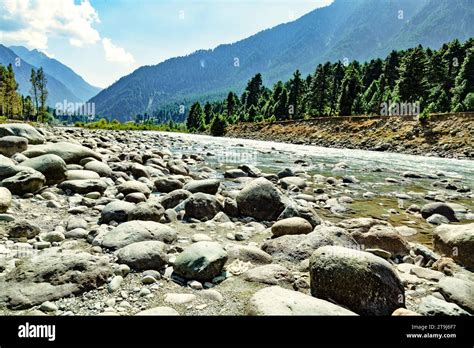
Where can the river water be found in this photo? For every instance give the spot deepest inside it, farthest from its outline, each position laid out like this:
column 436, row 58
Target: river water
column 370, row 168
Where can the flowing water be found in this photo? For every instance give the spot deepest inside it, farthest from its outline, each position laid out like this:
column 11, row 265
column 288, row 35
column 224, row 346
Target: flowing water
column 370, row 168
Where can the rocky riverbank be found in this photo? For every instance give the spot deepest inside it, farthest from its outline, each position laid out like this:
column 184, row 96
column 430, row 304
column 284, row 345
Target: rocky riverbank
column 450, row 136
column 142, row 223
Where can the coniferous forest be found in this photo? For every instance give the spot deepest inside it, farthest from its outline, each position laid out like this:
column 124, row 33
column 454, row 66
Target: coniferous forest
column 438, row 81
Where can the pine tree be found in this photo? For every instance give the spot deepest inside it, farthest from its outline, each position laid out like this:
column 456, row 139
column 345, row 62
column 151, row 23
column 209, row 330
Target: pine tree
column 412, row 85
column 296, row 87
column 218, row 125
column 230, row 104
column 254, row 90
column 390, row 69
column 336, row 80
column 319, row 90
column 208, row 113
column 351, row 87
column 41, row 83
column 464, row 83
column 195, row 121
column 34, row 90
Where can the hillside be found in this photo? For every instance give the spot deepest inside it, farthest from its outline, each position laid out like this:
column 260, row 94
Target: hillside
column 75, row 83
column 58, row 92
column 356, row 30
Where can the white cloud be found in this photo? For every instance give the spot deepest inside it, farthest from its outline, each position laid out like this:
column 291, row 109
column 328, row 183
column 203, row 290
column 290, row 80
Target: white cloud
column 33, row 22
column 116, row 54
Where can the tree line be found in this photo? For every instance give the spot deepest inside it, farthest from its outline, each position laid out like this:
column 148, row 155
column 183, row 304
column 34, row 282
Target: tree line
column 13, row 105
column 438, row 80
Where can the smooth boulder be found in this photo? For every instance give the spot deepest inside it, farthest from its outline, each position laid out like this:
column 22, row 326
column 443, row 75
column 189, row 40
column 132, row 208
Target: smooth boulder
column 143, row 255
column 261, row 200
column 136, row 231
column 69, row 152
column 25, row 181
column 294, row 225
column 457, row 242
column 51, row 166
column 202, row 261
column 22, row 130
column 276, row 300
column 11, row 145
column 361, row 281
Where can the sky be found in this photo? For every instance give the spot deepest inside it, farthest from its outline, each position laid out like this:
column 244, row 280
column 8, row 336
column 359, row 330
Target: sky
column 103, row 40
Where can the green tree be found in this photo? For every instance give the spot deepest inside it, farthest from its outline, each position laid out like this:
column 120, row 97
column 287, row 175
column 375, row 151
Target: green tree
column 464, row 83
column 351, row 87
column 34, row 91
column 319, row 90
column 195, row 121
column 412, row 85
column 218, row 125
column 231, row 103
column 41, row 83
column 336, row 81
column 208, row 113
column 296, row 86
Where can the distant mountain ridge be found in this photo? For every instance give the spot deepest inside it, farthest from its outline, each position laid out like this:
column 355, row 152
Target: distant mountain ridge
column 63, row 82
column 346, row 29
column 59, row 71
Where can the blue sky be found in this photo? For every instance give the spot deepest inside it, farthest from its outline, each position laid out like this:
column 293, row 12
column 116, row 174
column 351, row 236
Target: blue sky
column 103, row 40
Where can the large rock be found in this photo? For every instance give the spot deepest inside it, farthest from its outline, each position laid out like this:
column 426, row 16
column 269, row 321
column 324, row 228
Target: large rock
column 293, row 181
column 275, row 300
column 51, row 274
column 23, row 229
column 178, row 167
column 248, row 253
column 25, row 181
column 438, row 208
column 383, row 237
column 202, row 206
column 144, row 255
column 166, row 185
column 201, row 261
column 172, row 199
column 361, row 281
column 261, row 200
column 22, row 130
column 100, row 168
column 116, row 211
column 457, row 242
column 302, row 210
column 272, row 274
column 147, row 211
column 51, row 166
column 83, row 186
column 361, row 225
column 209, row 186
column 133, row 186
column 5, row 199
column 431, row 305
column 69, row 152
column 137, row 231
column 295, row 248
column 295, row 225
column 459, row 291
column 78, row 174
column 11, row 145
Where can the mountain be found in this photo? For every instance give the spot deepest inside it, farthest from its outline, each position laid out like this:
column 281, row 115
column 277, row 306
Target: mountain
column 58, row 92
column 346, row 29
column 75, row 83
